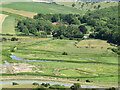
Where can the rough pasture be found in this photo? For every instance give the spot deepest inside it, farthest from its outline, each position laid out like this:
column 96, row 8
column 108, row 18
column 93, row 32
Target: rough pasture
column 2, row 18
column 48, row 49
column 8, row 26
column 41, row 8
column 19, row 12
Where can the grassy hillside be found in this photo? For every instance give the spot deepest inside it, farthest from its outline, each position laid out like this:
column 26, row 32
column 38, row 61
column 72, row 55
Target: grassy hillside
column 89, row 5
column 41, row 7
column 8, row 26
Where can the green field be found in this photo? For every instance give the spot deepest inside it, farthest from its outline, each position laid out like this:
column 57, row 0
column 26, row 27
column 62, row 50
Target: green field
column 89, row 59
column 41, row 7
column 89, row 6
column 83, row 63
column 8, row 26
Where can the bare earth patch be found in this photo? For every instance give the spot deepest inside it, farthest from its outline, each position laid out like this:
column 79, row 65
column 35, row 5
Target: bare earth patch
column 19, row 12
column 2, row 18
column 17, row 68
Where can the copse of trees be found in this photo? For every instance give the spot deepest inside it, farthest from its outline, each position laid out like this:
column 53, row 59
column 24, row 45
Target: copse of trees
column 42, row 25
column 104, row 23
column 37, row 27
column 67, row 31
column 64, row 18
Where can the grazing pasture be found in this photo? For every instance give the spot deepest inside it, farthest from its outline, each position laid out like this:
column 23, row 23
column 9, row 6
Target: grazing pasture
column 41, row 7
column 89, row 59
column 2, row 18
column 88, row 6
column 8, row 26
column 19, row 12
column 82, row 63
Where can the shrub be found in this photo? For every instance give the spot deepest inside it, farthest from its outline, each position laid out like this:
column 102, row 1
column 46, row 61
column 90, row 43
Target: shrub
column 62, row 37
column 35, row 83
column 57, row 86
column 14, row 39
column 14, row 83
column 13, row 48
column 75, row 86
column 45, row 84
column 87, row 80
column 64, row 53
column 78, row 79
column 4, row 39
column 9, row 34
column 73, row 5
column 112, row 88
column 70, row 38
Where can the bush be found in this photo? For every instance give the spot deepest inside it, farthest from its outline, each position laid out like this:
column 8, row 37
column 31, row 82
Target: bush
column 45, row 84
column 64, row 53
column 87, row 80
column 4, row 39
column 13, row 48
column 9, row 34
column 35, row 83
column 75, row 86
column 14, row 39
column 62, row 37
column 14, row 83
column 57, row 86
column 78, row 79
column 70, row 38
column 112, row 88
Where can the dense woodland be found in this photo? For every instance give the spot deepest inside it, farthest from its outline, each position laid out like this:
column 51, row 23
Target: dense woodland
column 103, row 23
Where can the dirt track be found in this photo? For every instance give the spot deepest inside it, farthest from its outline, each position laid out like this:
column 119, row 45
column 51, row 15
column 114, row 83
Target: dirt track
column 2, row 18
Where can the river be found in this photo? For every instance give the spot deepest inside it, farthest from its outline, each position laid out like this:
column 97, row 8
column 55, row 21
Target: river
column 40, row 82
column 20, row 59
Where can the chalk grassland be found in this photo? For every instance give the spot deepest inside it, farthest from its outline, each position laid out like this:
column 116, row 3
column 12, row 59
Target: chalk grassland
column 41, row 7
column 89, row 6
column 18, row 12
column 2, row 18
column 91, row 64
column 8, row 26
